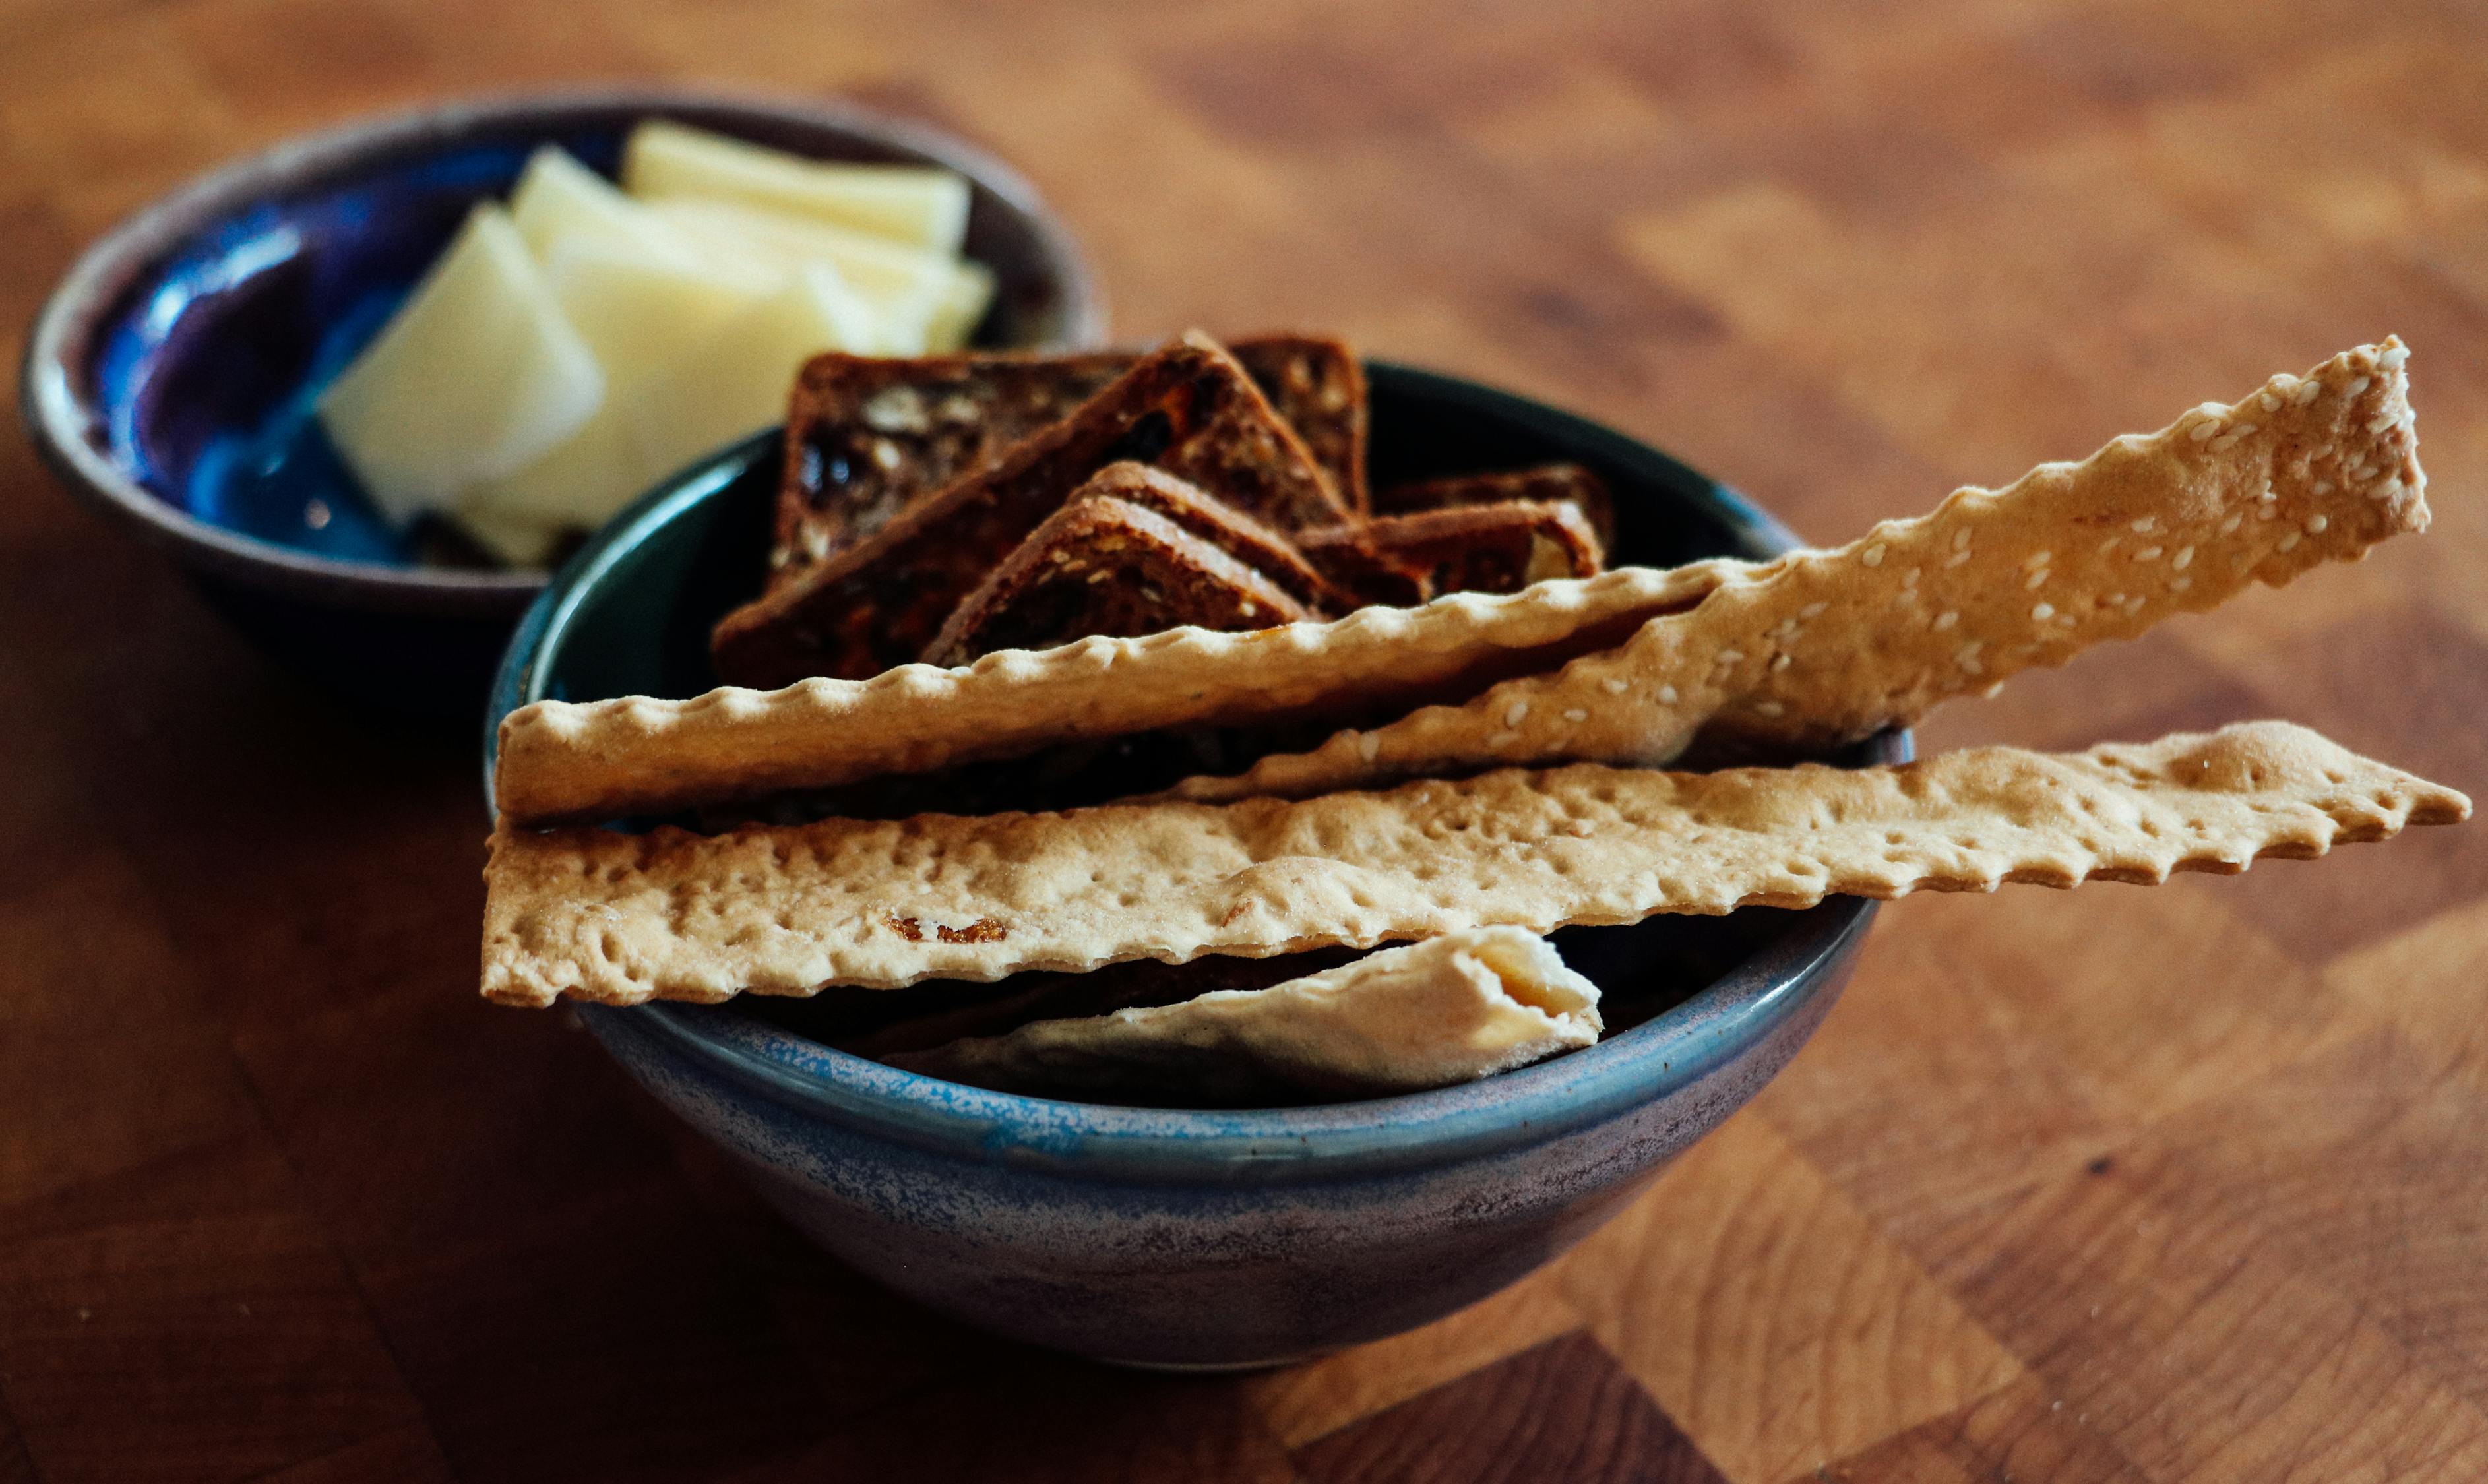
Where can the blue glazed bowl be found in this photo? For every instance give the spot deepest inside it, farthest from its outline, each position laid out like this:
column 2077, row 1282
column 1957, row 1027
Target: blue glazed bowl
column 1192, row 1239
column 169, row 379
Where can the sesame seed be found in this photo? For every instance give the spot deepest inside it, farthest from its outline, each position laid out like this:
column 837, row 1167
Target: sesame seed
column 1779, row 662
column 2037, row 559
column 1961, row 539
column 2358, row 472
column 2113, row 598
column 1956, row 559
column 1812, row 610
column 1993, row 691
column 1786, row 628
column 2389, row 489
column 2180, row 584
column 2203, row 430
column 2148, row 554
column 1770, row 708
column 2267, row 513
column 2287, row 541
column 2242, row 429
column 1730, row 657
column 1503, row 739
column 1946, row 619
column 2315, row 524
column 2231, row 524
column 2182, row 560
column 2322, row 486
column 1576, row 715
column 2037, row 580
column 2110, row 545
column 2066, row 619
column 1368, row 744
column 2271, row 403
column 2391, row 358
column 2133, row 605
column 2384, row 421
column 2307, row 391
column 1667, row 695
column 1872, row 556
column 1910, row 578
column 2226, row 441
column 2146, row 526
column 2266, row 494
column 1517, row 710
column 1614, row 686
column 2044, row 612
column 2356, row 387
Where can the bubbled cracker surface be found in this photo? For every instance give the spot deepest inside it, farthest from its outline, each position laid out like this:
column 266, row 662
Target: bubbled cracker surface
column 1821, row 648
column 622, row 918
column 564, row 760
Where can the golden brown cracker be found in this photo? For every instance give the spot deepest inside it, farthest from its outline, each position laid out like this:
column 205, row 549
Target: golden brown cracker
column 672, row 915
column 1822, row 648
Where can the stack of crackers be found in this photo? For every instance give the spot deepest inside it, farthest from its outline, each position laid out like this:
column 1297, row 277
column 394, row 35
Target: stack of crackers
column 1437, row 722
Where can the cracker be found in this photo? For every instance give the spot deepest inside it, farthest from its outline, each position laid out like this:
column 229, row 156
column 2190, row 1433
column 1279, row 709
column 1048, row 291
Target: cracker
column 1448, row 1010
column 1186, row 408
column 1500, row 547
column 560, row 759
column 668, row 914
column 868, row 435
column 1569, row 483
column 1819, row 649
column 1106, row 565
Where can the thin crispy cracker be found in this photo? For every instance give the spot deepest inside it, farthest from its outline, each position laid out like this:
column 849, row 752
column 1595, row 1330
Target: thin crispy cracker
column 1823, row 648
column 1451, row 1009
column 562, row 760
column 1187, row 407
column 624, row 918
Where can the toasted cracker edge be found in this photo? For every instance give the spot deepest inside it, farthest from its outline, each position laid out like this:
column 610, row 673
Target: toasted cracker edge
column 620, row 919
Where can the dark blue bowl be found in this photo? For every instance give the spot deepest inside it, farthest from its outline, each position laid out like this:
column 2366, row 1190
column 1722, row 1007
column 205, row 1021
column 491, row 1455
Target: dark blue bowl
column 1183, row 1238
column 169, row 379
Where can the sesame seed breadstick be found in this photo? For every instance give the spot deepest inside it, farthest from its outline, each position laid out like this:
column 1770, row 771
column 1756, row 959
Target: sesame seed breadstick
column 1822, row 648
column 596, row 759
column 625, row 919
column 1451, row 1009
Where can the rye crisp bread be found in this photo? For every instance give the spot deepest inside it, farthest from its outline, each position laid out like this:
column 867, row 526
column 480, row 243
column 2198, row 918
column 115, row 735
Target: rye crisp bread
column 1567, row 482
column 1448, row 1010
column 1106, row 565
column 619, row 919
column 1186, row 408
column 564, row 761
column 1221, row 526
column 868, row 435
column 1501, row 548
column 1819, row 649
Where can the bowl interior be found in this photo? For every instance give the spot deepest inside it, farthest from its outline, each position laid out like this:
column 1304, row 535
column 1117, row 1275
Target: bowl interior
column 630, row 615
column 263, row 284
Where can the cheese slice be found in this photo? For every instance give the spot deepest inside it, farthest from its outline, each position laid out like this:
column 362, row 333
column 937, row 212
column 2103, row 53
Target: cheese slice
column 920, row 206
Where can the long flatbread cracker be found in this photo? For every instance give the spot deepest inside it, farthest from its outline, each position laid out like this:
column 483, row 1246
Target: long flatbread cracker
column 1451, row 1009
column 594, row 760
column 1823, row 648
column 668, row 914
column 572, row 761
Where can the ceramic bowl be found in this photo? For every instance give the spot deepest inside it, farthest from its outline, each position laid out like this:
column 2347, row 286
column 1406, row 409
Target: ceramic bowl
column 1206, row 1238
column 168, row 378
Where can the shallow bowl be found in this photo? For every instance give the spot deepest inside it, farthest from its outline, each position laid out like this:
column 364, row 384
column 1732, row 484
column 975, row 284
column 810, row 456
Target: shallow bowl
column 1190, row 1238
column 168, row 378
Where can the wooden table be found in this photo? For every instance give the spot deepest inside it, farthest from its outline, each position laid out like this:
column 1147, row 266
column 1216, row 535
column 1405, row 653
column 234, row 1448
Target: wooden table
column 2186, row 1183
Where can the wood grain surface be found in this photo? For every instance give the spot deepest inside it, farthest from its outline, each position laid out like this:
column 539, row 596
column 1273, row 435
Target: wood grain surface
column 2116, row 1184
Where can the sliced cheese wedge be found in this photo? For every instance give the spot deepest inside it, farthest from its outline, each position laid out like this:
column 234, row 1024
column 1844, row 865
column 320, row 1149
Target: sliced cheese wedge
column 735, row 380
column 905, row 286
column 922, row 206
column 477, row 375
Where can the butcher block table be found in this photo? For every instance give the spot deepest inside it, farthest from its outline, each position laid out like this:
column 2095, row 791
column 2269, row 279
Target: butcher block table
column 2110, row 1185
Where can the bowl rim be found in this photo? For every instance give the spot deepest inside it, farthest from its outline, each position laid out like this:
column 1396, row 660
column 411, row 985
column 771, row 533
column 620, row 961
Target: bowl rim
column 61, row 419
column 1667, row 1054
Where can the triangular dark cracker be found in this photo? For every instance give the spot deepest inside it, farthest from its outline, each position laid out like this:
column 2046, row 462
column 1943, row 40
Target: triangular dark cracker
column 1187, row 407
column 1317, row 385
column 1568, row 482
column 1222, row 526
column 1104, row 566
column 868, row 436
column 1405, row 560
column 670, row 916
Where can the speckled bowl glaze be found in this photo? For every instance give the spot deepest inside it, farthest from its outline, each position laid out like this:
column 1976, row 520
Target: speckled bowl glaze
column 1186, row 1239
column 189, row 343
